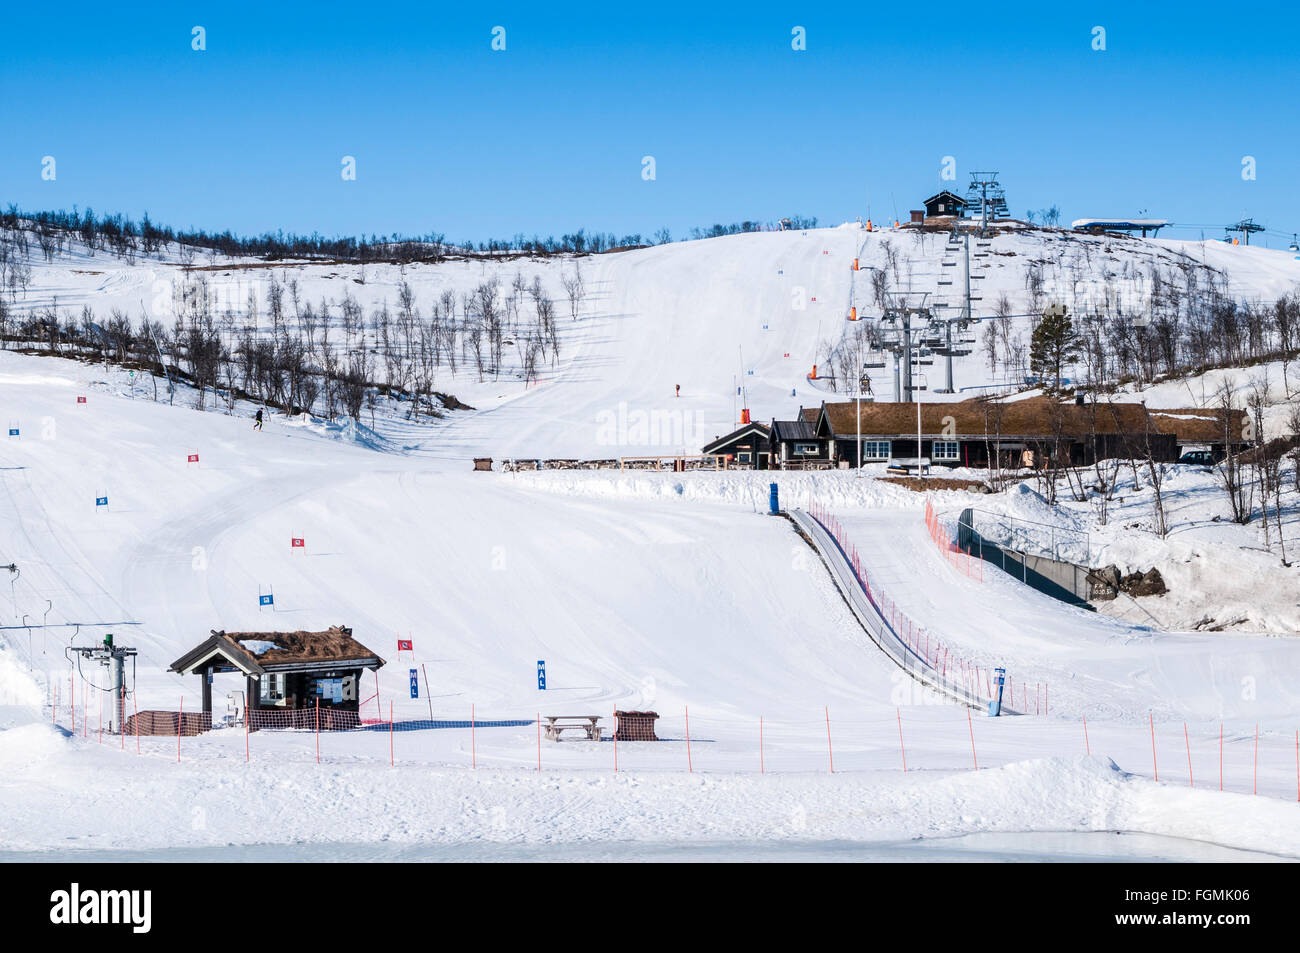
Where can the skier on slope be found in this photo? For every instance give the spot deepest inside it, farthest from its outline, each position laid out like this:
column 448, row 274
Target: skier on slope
column 258, row 424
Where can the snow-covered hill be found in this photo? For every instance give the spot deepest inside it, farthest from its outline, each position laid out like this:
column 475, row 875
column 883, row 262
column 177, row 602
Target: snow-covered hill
column 737, row 321
column 676, row 593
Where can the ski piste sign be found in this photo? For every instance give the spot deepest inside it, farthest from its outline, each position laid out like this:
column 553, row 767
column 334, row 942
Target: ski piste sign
column 541, row 675
column 192, row 458
column 415, row 683
column 101, row 501
column 266, row 600
column 296, row 542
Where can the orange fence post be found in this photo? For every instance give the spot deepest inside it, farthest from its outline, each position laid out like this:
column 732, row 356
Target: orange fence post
column 1086, row 744
column 1154, row 769
column 762, row 768
column 971, row 725
column 473, row 745
column 829, row 751
column 689, row 767
column 901, row 746
column 180, row 728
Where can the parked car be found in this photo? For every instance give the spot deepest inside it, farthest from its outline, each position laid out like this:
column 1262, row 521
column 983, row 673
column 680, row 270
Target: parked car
column 1201, row 458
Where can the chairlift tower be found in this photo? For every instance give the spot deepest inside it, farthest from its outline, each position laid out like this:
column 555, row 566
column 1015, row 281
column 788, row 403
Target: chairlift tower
column 1245, row 227
column 113, row 657
column 907, row 321
column 986, row 192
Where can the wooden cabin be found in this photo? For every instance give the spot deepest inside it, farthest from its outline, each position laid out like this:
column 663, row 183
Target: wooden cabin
column 289, row 675
column 974, row 433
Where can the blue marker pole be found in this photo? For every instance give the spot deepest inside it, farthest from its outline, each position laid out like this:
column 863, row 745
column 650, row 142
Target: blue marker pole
column 773, row 500
column 1000, row 678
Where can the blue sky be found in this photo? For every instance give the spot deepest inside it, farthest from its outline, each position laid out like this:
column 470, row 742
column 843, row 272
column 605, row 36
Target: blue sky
column 548, row 136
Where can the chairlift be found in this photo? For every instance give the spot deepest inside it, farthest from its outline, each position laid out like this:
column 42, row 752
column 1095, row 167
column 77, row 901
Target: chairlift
column 1293, row 246
column 874, row 359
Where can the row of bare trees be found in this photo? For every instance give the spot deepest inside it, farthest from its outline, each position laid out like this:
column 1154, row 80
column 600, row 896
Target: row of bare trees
column 277, row 348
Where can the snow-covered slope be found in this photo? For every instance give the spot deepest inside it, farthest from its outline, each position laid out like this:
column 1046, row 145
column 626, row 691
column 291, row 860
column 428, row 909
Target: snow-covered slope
column 674, row 592
column 735, row 321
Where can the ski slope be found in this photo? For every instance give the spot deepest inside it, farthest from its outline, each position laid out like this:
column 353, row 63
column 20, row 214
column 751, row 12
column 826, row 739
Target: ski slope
column 674, row 593
column 737, row 321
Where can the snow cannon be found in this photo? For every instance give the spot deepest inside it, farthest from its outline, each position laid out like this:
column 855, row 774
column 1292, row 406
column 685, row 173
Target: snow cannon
column 853, row 313
column 855, row 264
column 813, row 375
column 744, row 416
column 868, row 224
column 773, row 500
column 1000, row 679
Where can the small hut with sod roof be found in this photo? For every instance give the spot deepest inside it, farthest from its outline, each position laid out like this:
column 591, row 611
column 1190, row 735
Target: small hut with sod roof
column 289, row 675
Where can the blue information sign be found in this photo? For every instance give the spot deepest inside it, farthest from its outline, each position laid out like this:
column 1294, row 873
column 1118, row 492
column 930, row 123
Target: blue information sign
column 415, row 683
column 266, row 600
column 101, row 501
column 541, row 675
column 13, row 431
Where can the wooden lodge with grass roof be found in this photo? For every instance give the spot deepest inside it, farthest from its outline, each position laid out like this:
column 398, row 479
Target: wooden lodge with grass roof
column 289, row 675
column 976, row 432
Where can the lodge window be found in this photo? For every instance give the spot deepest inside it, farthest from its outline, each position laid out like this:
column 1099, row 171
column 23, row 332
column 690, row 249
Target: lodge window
column 807, row 449
column 272, row 687
column 742, row 458
column 875, row 450
column 946, row 450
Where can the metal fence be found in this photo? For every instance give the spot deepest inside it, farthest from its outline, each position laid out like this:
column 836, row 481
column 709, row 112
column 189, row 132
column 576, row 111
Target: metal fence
column 920, row 653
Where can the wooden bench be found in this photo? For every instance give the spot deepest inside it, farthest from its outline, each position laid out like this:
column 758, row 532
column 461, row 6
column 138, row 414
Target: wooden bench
column 555, row 724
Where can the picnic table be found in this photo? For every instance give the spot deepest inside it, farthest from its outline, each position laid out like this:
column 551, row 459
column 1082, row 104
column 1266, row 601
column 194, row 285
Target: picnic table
column 555, row 724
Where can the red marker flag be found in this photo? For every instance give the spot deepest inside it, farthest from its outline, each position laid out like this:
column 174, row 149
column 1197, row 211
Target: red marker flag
column 404, row 645
column 81, row 400
column 296, row 543
column 192, row 458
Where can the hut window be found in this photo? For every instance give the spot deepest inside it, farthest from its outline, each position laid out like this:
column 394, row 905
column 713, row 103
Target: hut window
column 273, row 687
column 742, row 458
column 806, row 449
column 875, row 450
column 946, row 450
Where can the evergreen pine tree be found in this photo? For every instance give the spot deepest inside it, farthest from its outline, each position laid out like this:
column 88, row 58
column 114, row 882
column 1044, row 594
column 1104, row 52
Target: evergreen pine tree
column 1054, row 344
